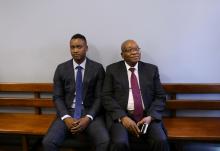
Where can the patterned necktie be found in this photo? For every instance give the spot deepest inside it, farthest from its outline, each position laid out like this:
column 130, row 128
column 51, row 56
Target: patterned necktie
column 138, row 108
column 78, row 103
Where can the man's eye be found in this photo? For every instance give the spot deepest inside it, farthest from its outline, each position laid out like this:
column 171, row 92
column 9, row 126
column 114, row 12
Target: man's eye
column 78, row 47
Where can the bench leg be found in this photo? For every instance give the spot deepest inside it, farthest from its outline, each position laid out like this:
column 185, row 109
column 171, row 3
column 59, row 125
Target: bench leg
column 24, row 143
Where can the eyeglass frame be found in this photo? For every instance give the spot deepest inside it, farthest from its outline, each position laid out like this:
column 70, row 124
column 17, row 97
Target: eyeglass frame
column 129, row 50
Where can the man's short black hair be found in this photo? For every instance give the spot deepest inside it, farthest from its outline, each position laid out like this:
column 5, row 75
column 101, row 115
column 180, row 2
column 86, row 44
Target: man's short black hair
column 80, row 36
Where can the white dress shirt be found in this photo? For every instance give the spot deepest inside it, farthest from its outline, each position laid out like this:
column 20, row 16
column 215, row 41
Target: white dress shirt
column 130, row 105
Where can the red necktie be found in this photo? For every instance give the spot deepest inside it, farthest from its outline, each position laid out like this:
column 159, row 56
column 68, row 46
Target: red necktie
column 138, row 108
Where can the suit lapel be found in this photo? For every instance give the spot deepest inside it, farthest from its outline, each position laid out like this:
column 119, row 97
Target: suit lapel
column 87, row 76
column 142, row 80
column 71, row 73
column 141, row 75
column 123, row 77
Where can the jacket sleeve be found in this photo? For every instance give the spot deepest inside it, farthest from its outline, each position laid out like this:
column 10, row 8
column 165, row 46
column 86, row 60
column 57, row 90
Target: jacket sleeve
column 58, row 93
column 96, row 106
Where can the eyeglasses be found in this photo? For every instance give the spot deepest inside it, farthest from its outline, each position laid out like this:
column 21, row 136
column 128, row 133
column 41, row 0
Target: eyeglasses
column 129, row 50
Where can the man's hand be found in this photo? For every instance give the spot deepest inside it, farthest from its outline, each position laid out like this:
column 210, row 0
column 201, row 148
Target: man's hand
column 80, row 125
column 147, row 120
column 131, row 126
column 70, row 122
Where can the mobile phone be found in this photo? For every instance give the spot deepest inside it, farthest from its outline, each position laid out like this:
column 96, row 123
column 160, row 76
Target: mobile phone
column 144, row 128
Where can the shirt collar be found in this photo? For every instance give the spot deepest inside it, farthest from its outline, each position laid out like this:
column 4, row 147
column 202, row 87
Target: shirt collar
column 83, row 64
column 127, row 66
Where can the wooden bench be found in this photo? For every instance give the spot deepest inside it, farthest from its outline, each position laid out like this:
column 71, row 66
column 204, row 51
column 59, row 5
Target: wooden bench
column 190, row 127
column 33, row 122
column 180, row 128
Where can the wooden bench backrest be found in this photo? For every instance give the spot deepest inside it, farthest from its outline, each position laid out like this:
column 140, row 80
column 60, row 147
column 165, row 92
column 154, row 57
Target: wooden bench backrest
column 174, row 103
column 36, row 89
column 172, row 89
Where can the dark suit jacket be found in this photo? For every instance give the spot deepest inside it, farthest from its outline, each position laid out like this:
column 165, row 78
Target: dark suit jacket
column 116, row 90
column 64, row 87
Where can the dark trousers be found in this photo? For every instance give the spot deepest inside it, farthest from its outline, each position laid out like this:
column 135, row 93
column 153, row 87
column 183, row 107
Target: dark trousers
column 58, row 132
column 154, row 140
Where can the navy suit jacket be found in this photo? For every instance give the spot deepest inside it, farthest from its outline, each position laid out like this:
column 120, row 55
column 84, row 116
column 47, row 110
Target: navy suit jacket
column 64, row 87
column 116, row 91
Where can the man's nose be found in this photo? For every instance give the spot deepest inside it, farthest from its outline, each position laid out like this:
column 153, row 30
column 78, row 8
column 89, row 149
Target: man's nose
column 75, row 49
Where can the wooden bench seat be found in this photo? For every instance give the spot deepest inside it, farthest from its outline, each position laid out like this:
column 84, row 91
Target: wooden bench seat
column 191, row 126
column 23, row 123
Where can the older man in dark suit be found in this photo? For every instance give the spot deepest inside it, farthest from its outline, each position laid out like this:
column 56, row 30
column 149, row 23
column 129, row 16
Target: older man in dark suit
column 133, row 97
column 77, row 91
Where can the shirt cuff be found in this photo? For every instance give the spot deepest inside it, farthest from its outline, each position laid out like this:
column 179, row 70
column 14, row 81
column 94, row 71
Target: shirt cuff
column 90, row 117
column 65, row 116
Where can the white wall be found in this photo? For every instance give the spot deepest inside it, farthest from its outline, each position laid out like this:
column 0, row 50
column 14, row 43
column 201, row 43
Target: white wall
column 180, row 36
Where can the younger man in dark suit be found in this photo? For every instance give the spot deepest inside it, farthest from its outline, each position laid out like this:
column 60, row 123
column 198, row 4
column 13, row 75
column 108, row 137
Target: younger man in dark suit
column 77, row 91
column 133, row 96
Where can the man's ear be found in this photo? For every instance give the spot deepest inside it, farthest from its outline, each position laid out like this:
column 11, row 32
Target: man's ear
column 122, row 55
